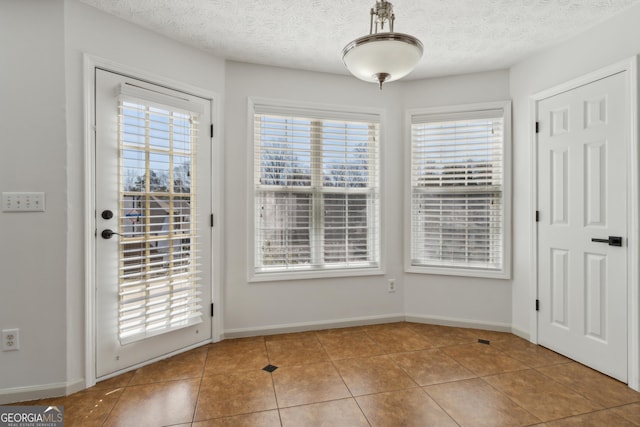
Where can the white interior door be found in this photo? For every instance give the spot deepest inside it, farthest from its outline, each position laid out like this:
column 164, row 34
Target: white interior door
column 153, row 240
column 582, row 201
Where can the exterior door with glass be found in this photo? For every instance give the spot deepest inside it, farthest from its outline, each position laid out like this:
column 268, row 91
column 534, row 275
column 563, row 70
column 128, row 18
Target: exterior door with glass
column 153, row 243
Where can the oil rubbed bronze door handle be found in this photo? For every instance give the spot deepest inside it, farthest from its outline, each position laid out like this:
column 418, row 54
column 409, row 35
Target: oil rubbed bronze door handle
column 107, row 234
column 611, row 241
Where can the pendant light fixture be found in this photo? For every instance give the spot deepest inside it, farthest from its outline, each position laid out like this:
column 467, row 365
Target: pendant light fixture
column 382, row 56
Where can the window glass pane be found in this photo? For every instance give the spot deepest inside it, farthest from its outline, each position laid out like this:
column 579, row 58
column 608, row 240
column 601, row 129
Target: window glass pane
column 346, row 231
column 159, row 167
column 347, row 152
column 457, row 216
column 158, row 257
column 285, row 220
column 133, row 169
column 285, row 152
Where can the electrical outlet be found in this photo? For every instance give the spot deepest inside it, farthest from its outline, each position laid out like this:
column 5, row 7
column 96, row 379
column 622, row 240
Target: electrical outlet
column 10, row 339
column 391, row 286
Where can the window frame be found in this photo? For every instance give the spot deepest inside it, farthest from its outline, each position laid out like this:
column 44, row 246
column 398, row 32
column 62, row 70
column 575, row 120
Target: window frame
column 505, row 271
column 311, row 111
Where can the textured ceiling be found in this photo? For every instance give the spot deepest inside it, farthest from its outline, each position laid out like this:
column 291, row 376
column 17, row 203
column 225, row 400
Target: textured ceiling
column 459, row 36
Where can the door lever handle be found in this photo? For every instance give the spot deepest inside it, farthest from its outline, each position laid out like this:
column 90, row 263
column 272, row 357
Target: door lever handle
column 611, row 241
column 107, row 234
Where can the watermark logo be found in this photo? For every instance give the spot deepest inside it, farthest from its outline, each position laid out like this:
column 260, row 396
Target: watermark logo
column 31, row 416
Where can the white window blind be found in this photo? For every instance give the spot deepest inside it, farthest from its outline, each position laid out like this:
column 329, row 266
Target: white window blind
column 159, row 289
column 457, row 190
column 316, row 188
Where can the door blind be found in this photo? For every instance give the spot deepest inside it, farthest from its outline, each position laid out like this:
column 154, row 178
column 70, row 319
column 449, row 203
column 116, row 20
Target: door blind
column 457, row 166
column 159, row 289
column 316, row 192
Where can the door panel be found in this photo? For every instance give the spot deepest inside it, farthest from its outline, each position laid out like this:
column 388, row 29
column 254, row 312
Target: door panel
column 582, row 195
column 153, row 191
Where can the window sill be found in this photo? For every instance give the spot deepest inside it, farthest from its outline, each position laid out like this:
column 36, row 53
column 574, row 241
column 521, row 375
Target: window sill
column 463, row 272
column 277, row 276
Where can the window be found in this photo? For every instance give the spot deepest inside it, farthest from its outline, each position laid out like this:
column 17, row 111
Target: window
column 316, row 192
column 159, row 289
column 460, row 201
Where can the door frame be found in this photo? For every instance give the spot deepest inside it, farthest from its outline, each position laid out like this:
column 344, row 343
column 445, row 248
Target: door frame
column 630, row 66
column 90, row 63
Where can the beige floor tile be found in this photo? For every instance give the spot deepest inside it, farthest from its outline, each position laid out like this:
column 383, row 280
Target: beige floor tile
column 598, row 387
column 407, row 408
column 475, row 403
column 337, row 413
column 402, row 374
column 183, row 366
column 629, row 412
column 237, row 393
column 442, row 336
column 595, row 419
column 293, row 352
column 304, row 384
column 530, row 354
column 157, row 404
column 373, row 375
column 256, row 419
column 482, row 359
column 397, row 339
column 431, row 367
column 544, row 398
column 89, row 407
column 240, row 356
column 483, row 334
column 307, row 335
column 349, row 344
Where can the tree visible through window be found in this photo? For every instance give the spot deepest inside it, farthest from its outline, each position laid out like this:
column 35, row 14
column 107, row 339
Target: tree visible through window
column 316, row 193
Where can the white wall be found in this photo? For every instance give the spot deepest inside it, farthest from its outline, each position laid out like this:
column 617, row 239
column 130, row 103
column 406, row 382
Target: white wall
column 605, row 44
column 33, row 150
column 433, row 298
column 273, row 305
column 88, row 30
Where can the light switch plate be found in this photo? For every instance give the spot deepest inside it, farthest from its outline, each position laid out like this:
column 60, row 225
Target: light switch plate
column 22, row 202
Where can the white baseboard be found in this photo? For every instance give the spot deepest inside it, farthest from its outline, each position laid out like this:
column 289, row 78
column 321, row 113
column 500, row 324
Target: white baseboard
column 311, row 326
column 522, row 334
column 26, row 394
column 76, row 386
column 362, row 321
column 458, row 323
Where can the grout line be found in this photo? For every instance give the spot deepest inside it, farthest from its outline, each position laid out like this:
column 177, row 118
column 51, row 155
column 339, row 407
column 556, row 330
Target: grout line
column 509, row 397
column 204, row 366
column 440, row 406
column 106, row 417
column 275, row 396
column 363, row 413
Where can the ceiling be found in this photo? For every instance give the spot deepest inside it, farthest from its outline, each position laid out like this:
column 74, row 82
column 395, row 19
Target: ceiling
column 459, row 36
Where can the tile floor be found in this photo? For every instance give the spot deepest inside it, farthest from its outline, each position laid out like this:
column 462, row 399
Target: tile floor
column 400, row 374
